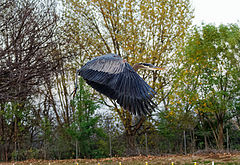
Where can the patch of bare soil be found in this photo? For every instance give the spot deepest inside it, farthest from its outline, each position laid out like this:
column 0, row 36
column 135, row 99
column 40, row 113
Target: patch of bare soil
column 222, row 158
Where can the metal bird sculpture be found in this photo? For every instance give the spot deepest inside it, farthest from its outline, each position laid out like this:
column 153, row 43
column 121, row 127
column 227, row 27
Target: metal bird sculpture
column 114, row 77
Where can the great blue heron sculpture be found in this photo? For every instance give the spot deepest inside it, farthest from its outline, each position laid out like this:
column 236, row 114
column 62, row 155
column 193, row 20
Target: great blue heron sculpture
column 114, row 77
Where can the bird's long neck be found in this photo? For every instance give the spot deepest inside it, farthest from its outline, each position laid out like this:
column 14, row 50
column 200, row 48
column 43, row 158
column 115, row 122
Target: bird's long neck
column 136, row 67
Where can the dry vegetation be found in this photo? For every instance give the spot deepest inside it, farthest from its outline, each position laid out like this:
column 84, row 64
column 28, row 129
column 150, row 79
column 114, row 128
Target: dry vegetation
column 228, row 159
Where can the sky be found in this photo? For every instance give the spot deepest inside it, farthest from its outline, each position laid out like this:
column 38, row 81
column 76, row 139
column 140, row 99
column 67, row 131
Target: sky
column 216, row 11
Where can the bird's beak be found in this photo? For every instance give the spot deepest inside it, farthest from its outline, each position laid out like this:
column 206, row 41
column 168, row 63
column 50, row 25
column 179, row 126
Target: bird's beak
column 148, row 66
column 152, row 67
column 156, row 68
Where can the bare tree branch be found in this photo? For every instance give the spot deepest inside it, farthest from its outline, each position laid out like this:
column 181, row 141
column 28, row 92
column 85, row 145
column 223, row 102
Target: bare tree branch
column 27, row 43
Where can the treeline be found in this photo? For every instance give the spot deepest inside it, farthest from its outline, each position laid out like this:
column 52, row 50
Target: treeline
column 42, row 43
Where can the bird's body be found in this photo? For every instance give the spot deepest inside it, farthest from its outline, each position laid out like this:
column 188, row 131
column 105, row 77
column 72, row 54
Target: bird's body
column 114, row 77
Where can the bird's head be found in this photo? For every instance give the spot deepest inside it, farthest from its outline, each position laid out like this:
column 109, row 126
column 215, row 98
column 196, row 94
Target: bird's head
column 147, row 66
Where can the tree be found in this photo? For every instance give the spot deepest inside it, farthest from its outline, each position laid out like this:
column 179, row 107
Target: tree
column 28, row 59
column 16, row 121
column 27, row 47
column 139, row 31
column 84, row 128
column 209, row 76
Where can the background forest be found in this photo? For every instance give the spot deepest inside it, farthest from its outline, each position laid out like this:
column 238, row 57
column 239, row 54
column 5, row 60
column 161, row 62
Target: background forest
column 42, row 43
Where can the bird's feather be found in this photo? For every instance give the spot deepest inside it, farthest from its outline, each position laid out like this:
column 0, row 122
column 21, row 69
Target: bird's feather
column 116, row 79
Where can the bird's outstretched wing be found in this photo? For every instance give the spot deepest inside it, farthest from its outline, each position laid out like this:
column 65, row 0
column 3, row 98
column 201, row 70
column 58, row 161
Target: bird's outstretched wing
column 113, row 77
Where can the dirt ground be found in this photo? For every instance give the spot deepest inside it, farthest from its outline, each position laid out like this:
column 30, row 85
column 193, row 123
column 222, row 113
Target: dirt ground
column 224, row 158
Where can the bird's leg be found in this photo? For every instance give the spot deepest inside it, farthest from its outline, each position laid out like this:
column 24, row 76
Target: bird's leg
column 76, row 84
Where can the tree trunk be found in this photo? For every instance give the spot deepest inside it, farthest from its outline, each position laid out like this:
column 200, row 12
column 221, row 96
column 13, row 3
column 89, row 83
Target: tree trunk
column 131, row 145
column 205, row 142
column 130, row 130
column 184, row 142
column 220, row 135
column 131, row 133
column 193, row 142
